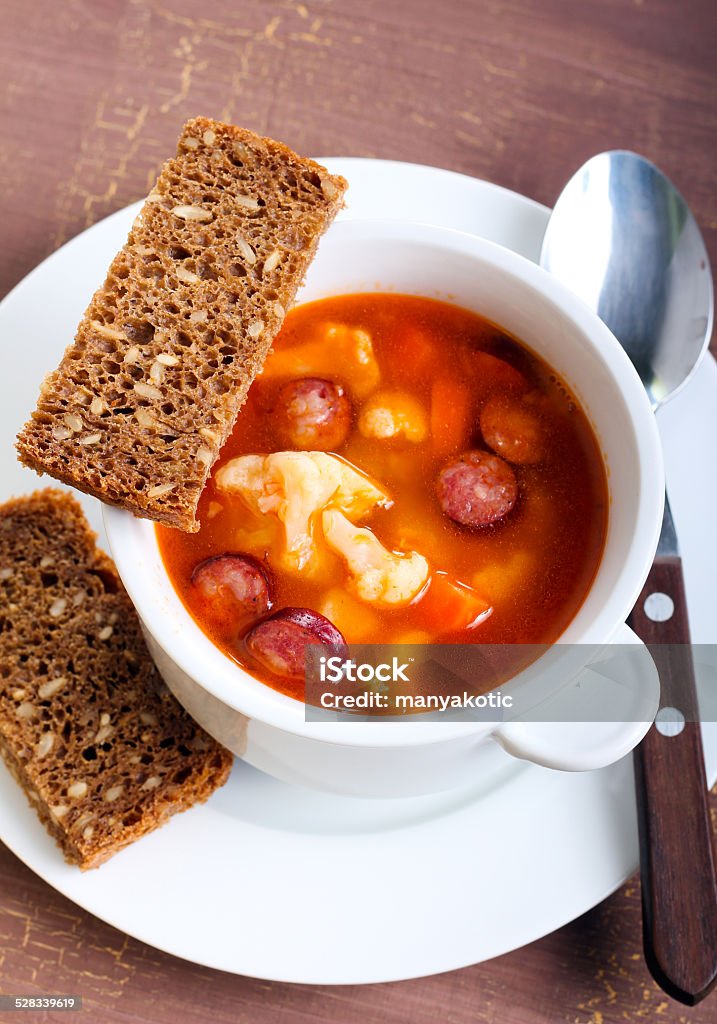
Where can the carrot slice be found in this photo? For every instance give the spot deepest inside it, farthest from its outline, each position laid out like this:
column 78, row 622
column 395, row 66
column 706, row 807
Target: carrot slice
column 412, row 354
column 448, row 606
column 451, row 408
column 489, row 373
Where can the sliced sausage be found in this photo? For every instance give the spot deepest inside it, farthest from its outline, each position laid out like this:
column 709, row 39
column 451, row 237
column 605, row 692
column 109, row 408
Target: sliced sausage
column 230, row 580
column 279, row 642
column 313, row 414
column 477, row 489
column 512, row 429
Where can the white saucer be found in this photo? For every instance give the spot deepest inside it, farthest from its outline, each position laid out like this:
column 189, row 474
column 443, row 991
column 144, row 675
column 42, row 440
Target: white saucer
column 287, row 884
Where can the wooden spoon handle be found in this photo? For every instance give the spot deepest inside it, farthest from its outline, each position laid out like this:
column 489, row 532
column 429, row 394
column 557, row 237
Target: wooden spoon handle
column 677, row 856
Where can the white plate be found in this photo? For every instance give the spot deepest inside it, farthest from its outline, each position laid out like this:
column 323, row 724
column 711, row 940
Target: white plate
column 288, row 884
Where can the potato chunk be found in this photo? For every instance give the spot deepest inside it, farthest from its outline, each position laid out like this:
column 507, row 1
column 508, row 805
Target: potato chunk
column 340, row 352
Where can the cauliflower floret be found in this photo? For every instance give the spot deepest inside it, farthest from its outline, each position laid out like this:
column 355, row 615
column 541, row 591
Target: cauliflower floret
column 390, row 414
column 347, row 348
column 379, row 576
column 294, row 486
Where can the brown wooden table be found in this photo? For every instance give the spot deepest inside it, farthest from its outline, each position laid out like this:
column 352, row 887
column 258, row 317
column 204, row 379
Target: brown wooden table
column 519, row 92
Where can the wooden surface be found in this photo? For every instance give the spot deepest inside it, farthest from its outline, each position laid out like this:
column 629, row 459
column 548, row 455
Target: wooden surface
column 516, row 91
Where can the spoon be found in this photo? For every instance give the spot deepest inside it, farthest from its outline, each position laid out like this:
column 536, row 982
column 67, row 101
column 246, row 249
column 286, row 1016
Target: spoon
column 624, row 240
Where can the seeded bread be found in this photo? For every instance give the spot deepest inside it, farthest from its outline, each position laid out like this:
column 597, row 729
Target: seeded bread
column 164, row 356
column 102, row 749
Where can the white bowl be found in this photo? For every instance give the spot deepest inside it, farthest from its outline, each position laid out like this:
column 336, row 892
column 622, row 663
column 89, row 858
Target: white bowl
column 378, row 758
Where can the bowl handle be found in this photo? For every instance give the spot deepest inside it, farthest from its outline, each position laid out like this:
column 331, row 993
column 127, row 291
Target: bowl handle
column 595, row 720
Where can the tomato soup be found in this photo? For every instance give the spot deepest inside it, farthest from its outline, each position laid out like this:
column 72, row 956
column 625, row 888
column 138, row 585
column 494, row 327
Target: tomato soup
column 403, row 471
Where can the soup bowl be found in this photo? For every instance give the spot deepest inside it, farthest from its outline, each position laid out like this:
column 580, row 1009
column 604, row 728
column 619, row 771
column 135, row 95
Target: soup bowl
column 588, row 707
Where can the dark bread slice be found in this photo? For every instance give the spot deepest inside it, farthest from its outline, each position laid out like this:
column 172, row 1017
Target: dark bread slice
column 164, row 356
column 102, row 749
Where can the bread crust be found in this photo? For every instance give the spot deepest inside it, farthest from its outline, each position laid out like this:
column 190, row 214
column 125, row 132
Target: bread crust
column 149, row 390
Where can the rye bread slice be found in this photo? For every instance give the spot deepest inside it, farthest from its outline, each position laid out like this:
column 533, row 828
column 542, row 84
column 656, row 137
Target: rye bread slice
column 103, row 751
column 164, row 356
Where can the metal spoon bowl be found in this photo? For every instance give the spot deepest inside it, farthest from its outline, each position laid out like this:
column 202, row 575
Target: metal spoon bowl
column 622, row 238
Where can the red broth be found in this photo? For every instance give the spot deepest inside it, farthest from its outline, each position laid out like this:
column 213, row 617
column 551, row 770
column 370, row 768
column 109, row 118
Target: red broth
column 453, row 382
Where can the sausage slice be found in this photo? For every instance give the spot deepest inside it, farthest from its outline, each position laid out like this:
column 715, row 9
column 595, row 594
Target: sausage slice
column 279, row 642
column 513, row 429
column 477, row 489
column 313, row 414
column 230, row 580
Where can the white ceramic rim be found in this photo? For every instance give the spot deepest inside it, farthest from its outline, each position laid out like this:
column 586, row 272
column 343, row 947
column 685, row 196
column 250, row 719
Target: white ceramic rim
column 195, row 654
